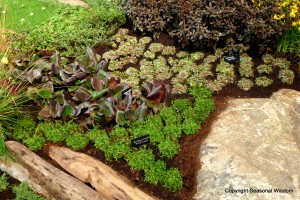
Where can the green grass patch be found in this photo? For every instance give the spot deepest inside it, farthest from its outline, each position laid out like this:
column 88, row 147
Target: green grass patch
column 70, row 29
column 25, row 14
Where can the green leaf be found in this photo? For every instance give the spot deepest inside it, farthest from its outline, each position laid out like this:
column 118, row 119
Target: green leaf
column 68, row 111
column 98, row 94
column 73, row 88
column 46, row 94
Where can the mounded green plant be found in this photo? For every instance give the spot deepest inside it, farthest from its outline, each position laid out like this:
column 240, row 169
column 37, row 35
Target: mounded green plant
column 190, row 126
column 35, row 142
column 23, row 191
column 57, row 131
column 202, row 108
column 94, row 133
column 173, row 179
column 24, row 127
column 180, row 105
column 156, row 173
column 77, row 141
column 102, row 142
column 141, row 159
column 168, row 148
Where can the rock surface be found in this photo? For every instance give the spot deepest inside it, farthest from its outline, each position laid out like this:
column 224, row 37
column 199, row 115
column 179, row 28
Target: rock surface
column 110, row 184
column 74, row 2
column 43, row 177
column 253, row 148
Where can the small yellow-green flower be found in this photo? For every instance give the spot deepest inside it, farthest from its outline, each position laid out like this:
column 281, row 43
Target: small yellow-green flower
column 4, row 60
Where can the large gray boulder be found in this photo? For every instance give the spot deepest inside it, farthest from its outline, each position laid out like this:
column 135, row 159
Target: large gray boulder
column 252, row 150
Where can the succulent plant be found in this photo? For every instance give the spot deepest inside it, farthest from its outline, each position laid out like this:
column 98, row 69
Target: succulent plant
column 132, row 72
column 149, row 54
column 281, row 63
column 197, row 56
column 118, row 38
column 183, row 75
column 111, row 55
column 246, row 68
column 182, row 54
column 268, row 59
column 214, row 86
column 195, row 80
column 245, row 84
column 219, row 53
column 123, row 31
column 160, row 61
column 138, row 50
column 210, row 59
column 205, row 74
column 176, row 80
column 125, row 49
column 169, row 50
column 264, row 69
column 145, row 40
column 263, row 81
column 156, row 47
column 115, row 65
column 286, row 76
column 225, row 73
column 179, row 89
column 173, row 61
column 131, row 39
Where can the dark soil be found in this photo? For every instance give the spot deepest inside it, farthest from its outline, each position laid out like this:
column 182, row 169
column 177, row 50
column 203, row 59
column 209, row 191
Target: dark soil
column 188, row 161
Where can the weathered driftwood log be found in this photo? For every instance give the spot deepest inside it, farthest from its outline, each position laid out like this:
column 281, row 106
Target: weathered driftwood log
column 45, row 178
column 104, row 179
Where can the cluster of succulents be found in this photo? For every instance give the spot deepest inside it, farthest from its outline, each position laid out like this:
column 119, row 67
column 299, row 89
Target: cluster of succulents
column 268, row 66
column 246, row 66
column 225, row 73
column 184, row 69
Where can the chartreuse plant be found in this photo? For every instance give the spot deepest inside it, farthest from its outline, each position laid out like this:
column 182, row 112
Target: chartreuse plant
column 23, row 191
column 35, row 142
column 173, row 179
column 77, row 140
column 156, row 173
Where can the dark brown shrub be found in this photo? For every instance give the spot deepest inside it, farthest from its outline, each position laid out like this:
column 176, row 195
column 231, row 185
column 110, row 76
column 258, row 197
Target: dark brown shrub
column 209, row 23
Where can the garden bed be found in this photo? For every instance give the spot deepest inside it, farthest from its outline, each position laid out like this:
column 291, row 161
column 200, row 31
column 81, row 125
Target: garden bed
column 89, row 89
